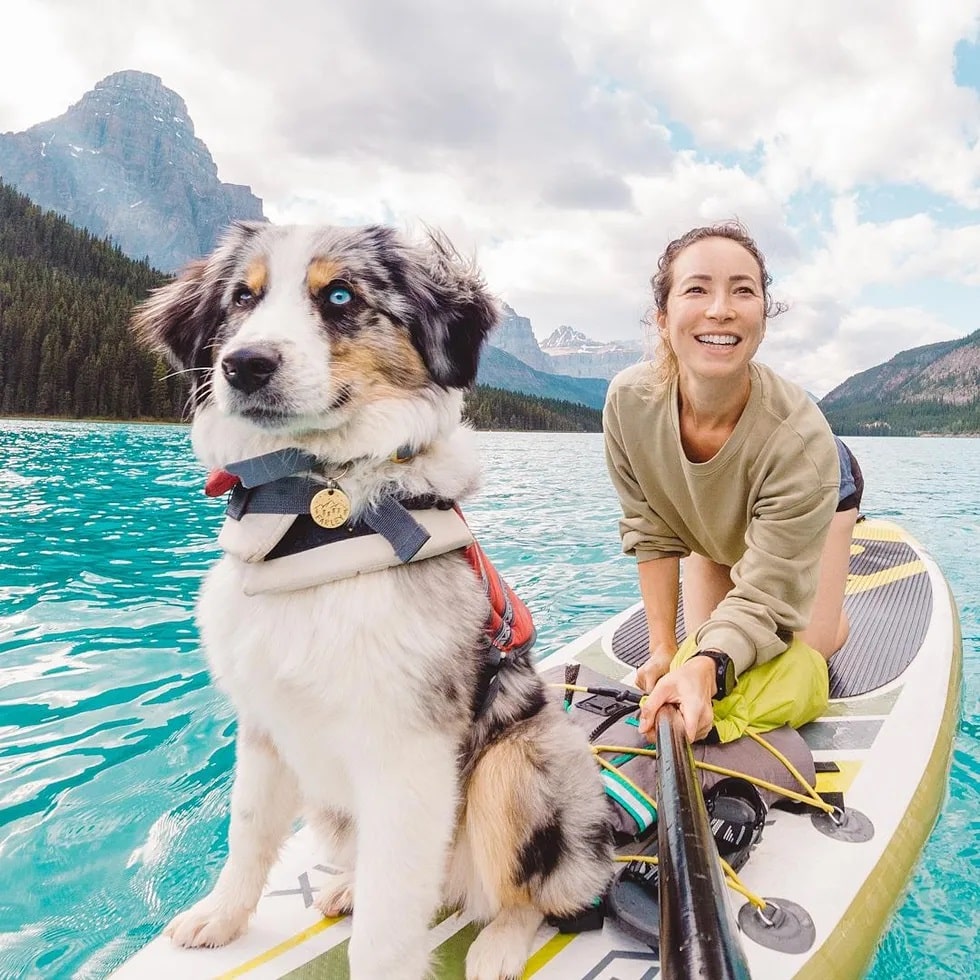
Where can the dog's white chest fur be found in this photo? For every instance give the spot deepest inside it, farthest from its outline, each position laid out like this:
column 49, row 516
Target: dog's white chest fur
column 343, row 648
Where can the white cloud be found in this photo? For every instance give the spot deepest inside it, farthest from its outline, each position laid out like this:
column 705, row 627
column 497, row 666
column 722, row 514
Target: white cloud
column 819, row 345
column 565, row 143
column 855, row 255
column 839, row 93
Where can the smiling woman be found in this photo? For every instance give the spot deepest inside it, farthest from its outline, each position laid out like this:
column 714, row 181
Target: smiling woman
column 720, row 462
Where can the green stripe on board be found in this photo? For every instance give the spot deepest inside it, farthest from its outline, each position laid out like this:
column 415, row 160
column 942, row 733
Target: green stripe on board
column 449, row 958
column 597, row 658
column 331, row 965
column 548, row 952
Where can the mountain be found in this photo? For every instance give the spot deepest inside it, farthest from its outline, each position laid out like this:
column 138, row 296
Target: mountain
column 568, row 340
column 567, row 351
column 605, row 362
column 498, row 369
column 514, row 335
column 933, row 389
column 575, row 354
column 123, row 162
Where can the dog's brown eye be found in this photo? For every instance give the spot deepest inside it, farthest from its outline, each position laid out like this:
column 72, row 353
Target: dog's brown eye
column 243, row 296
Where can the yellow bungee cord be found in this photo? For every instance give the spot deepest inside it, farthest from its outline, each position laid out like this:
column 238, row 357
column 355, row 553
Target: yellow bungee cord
column 810, row 796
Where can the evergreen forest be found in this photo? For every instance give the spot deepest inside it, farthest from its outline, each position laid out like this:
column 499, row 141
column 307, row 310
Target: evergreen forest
column 907, row 418
column 65, row 301
column 494, row 408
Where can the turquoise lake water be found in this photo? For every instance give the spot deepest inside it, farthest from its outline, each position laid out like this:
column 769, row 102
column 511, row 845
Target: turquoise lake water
column 116, row 751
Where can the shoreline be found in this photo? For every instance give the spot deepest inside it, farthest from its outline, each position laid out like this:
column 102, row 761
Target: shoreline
column 115, row 421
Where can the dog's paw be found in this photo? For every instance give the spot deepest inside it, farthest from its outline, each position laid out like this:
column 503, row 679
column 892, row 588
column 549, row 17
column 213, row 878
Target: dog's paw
column 338, row 896
column 496, row 954
column 207, row 924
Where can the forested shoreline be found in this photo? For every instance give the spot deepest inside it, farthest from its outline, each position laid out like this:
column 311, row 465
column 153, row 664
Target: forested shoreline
column 65, row 344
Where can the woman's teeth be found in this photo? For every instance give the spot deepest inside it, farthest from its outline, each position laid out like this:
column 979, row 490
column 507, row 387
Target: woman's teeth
column 724, row 340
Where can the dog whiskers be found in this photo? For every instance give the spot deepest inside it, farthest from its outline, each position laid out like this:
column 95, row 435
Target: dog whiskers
column 178, row 373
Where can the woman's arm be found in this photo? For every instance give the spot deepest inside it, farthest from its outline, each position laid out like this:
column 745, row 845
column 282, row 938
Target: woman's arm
column 659, row 589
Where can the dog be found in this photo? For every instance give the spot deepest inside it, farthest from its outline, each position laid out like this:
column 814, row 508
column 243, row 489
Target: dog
column 368, row 698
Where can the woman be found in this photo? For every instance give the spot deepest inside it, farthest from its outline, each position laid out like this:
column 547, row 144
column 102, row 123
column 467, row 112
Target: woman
column 720, row 462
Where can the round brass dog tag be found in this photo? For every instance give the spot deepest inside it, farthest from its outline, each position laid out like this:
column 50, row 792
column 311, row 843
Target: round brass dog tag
column 330, row 507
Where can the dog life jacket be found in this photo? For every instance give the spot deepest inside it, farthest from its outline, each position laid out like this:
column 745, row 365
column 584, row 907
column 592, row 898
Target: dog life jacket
column 268, row 528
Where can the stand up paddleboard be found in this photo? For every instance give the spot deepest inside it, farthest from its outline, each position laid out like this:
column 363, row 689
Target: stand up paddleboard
column 882, row 750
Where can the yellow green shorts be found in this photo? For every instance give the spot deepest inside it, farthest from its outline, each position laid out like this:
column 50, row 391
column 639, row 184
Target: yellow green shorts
column 790, row 689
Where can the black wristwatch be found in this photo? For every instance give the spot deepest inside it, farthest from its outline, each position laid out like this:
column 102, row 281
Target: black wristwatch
column 724, row 672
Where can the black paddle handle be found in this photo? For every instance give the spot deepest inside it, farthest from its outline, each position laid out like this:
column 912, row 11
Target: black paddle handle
column 698, row 936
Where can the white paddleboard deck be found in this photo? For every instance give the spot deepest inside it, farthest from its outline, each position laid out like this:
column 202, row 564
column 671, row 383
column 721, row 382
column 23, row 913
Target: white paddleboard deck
column 886, row 750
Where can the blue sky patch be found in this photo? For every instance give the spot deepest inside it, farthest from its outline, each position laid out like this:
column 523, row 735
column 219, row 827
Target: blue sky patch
column 966, row 67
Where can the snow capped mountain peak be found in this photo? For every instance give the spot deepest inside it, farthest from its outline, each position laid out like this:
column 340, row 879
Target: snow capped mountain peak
column 568, row 337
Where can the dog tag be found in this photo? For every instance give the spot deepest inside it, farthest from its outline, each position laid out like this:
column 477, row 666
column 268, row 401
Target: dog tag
column 330, row 507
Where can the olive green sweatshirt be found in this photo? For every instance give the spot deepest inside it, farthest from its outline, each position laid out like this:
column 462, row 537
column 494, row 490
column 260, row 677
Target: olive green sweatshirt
column 762, row 505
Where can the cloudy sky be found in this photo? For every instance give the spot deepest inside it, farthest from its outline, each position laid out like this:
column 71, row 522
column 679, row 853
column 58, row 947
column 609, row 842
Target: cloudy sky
column 564, row 142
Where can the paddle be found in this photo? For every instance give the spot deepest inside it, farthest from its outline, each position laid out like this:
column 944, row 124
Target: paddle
column 698, row 936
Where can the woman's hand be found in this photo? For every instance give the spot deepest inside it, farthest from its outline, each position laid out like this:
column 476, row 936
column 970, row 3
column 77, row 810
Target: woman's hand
column 691, row 687
column 655, row 668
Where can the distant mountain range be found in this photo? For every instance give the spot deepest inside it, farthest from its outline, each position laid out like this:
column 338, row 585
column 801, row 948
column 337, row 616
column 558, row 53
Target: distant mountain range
column 502, row 370
column 566, row 351
column 933, row 390
column 123, row 162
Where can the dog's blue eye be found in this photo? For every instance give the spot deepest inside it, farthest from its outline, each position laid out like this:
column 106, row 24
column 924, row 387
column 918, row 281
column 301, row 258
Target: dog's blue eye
column 339, row 296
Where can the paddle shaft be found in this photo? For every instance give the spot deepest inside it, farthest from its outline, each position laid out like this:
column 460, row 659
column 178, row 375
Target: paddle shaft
column 698, row 937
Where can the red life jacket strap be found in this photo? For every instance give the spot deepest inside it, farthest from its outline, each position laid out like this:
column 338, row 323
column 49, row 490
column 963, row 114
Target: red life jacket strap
column 509, row 627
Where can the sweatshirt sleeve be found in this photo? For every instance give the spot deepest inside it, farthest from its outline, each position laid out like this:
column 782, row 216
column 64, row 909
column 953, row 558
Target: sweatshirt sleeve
column 644, row 534
column 775, row 581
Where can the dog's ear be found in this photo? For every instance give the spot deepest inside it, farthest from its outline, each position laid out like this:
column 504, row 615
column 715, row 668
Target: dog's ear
column 454, row 311
column 180, row 318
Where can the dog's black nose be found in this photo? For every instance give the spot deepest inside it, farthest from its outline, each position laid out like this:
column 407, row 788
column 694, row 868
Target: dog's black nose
column 250, row 368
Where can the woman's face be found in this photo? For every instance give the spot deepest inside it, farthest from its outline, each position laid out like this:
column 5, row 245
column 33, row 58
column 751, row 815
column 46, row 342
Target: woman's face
column 715, row 317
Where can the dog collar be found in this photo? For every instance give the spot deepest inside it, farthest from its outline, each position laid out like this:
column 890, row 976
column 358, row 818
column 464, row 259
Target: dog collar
column 272, row 484
column 260, row 470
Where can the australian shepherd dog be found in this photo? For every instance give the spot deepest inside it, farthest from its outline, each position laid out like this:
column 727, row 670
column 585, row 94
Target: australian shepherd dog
column 362, row 698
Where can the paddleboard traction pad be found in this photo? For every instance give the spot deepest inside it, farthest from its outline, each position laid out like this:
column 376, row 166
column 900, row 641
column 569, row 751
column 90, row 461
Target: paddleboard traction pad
column 888, row 602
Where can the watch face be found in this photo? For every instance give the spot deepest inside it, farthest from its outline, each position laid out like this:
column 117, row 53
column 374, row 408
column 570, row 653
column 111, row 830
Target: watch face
column 724, row 673
column 726, row 676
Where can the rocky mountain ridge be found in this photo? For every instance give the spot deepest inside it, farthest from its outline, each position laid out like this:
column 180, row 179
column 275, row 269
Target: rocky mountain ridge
column 567, row 351
column 514, row 335
column 929, row 389
column 498, row 369
column 124, row 163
